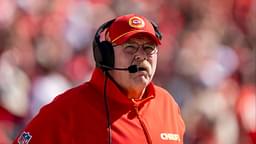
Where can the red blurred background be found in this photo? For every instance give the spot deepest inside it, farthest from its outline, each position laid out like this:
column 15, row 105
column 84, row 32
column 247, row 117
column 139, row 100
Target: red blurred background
column 207, row 59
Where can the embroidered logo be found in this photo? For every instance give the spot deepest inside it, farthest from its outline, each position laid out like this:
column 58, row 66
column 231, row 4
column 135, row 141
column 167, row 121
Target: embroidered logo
column 136, row 22
column 24, row 138
column 170, row 137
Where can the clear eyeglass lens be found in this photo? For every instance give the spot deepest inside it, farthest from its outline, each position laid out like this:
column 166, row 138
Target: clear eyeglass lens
column 132, row 48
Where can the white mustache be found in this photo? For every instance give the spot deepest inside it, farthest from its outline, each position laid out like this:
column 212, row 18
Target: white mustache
column 144, row 67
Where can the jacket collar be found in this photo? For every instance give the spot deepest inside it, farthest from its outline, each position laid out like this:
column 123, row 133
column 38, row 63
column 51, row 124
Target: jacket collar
column 114, row 93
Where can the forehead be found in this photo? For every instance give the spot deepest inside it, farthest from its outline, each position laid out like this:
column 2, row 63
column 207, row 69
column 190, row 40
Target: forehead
column 141, row 38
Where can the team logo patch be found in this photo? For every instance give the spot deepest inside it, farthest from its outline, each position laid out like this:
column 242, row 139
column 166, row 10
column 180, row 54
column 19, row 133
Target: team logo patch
column 170, row 137
column 136, row 22
column 24, row 138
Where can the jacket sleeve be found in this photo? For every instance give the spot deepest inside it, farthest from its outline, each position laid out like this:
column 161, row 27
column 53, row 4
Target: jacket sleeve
column 50, row 126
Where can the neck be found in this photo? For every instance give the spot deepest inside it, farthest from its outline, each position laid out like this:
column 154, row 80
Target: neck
column 131, row 93
column 135, row 94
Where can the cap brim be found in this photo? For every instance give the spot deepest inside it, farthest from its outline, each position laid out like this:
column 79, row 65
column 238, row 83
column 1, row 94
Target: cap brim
column 122, row 39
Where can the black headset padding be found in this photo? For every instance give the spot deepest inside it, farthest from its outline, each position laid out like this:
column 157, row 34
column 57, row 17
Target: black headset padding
column 103, row 51
column 157, row 32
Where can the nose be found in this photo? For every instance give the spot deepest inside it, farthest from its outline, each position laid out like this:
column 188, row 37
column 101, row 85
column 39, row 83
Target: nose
column 140, row 57
column 141, row 51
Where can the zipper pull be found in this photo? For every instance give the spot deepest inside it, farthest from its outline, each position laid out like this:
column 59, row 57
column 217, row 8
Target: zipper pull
column 135, row 107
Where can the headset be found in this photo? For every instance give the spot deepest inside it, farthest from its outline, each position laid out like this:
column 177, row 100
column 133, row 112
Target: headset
column 103, row 50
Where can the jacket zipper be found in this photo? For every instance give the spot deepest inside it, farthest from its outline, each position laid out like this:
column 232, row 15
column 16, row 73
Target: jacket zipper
column 149, row 141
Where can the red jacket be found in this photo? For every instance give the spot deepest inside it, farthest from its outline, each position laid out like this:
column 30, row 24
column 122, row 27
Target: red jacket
column 78, row 116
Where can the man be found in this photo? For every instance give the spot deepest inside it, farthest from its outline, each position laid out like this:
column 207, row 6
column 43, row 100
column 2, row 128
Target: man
column 119, row 104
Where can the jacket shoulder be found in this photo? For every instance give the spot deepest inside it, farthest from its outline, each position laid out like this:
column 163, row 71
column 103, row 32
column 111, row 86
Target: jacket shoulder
column 54, row 121
column 163, row 92
column 74, row 94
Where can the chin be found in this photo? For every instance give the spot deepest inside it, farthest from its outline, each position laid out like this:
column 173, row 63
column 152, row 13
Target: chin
column 143, row 81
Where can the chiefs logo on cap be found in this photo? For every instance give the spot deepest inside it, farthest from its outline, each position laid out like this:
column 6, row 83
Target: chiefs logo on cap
column 136, row 22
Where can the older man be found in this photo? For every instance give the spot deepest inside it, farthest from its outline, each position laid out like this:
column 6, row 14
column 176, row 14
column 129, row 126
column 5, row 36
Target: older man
column 120, row 104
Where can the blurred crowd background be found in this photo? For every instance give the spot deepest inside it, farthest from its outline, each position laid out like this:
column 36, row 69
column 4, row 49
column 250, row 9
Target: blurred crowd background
column 207, row 59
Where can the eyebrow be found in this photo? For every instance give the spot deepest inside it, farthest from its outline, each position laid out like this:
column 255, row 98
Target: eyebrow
column 140, row 43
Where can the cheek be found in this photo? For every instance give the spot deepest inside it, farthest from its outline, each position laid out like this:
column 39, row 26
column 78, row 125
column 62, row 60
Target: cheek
column 153, row 63
column 121, row 63
column 121, row 60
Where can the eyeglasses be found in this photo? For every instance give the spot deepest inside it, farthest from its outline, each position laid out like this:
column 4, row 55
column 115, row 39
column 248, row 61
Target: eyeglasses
column 132, row 48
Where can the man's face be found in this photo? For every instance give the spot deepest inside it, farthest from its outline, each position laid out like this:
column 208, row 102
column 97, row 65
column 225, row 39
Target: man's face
column 139, row 50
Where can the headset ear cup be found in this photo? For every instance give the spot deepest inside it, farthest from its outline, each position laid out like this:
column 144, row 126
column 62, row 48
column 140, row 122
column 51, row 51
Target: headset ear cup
column 103, row 51
column 106, row 54
column 97, row 54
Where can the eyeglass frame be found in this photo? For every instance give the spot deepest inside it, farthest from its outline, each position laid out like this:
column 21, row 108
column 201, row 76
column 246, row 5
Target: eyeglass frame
column 137, row 47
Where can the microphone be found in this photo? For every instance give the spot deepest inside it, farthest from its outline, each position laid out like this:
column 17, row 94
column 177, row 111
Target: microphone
column 130, row 69
column 133, row 68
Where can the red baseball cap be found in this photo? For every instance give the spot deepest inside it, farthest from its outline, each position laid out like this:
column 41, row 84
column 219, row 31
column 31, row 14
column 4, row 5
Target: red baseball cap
column 126, row 26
